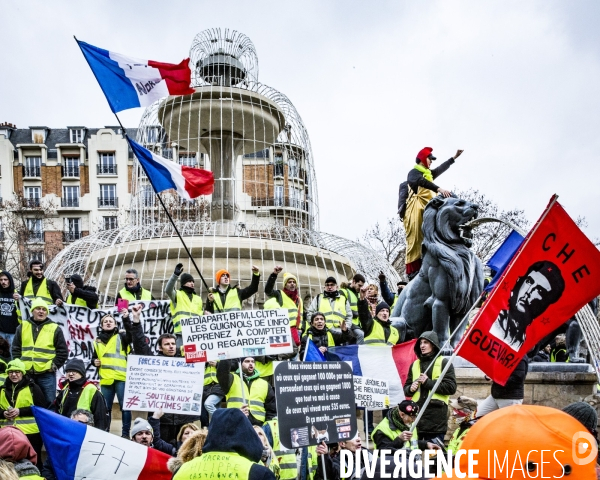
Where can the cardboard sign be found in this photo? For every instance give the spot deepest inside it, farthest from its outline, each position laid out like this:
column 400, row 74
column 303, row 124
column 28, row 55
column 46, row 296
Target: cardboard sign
column 163, row 382
column 315, row 403
column 371, row 393
column 236, row 334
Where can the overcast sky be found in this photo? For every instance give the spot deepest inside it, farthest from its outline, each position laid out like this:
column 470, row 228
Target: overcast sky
column 515, row 84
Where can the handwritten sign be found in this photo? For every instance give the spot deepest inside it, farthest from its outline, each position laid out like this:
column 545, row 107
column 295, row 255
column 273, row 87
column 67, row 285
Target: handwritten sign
column 236, row 334
column 163, row 382
column 371, row 393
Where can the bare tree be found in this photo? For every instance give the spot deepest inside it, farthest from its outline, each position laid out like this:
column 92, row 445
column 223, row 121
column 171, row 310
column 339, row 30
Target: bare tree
column 389, row 240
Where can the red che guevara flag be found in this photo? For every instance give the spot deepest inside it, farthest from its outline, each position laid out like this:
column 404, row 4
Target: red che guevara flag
column 555, row 273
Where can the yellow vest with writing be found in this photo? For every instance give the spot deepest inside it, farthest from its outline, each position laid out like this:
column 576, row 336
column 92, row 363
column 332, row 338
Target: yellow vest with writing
column 113, row 360
column 125, row 295
column 42, row 292
column 232, row 301
column 287, row 458
column 333, row 317
column 214, row 465
column 24, row 399
column 39, row 354
column 377, row 335
column 185, row 308
column 437, row 371
column 255, row 398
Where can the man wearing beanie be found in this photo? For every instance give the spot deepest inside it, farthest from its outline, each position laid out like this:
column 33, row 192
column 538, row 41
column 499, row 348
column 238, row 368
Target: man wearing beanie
column 80, row 294
column 225, row 298
column 77, row 393
column 379, row 330
column 147, row 433
column 334, row 305
column 185, row 302
column 41, row 345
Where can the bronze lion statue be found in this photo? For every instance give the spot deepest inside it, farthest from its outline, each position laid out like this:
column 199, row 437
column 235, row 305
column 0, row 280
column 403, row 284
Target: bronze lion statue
column 451, row 276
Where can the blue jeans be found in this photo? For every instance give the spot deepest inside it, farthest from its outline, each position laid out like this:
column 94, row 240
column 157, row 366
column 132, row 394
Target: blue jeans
column 211, row 404
column 47, row 383
column 9, row 338
column 108, row 392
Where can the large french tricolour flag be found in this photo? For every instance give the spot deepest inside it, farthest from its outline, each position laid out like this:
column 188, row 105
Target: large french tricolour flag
column 78, row 451
column 384, row 362
column 164, row 174
column 129, row 83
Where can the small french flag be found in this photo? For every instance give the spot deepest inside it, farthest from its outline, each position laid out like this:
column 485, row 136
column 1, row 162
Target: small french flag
column 129, row 83
column 78, row 451
column 164, row 174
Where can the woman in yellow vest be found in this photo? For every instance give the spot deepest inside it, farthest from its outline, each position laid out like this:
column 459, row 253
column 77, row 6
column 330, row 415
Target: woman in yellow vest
column 323, row 337
column 110, row 357
column 17, row 395
column 77, row 392
column 379, row 330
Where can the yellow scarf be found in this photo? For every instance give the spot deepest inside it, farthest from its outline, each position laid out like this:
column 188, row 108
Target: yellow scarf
column 425, row 171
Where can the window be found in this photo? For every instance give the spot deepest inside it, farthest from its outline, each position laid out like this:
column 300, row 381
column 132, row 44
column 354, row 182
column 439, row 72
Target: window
column 70, row 167
column 33, row 167
column 109, row 223
column 72, row 229
column 152, row 135
column 188, row 159
column 76, row 135
column 279, row 195
column 108, row 196
column 34, row 227
column 107, row 164
column 38, row 135
column 36, row 255
column 70, row 197
column 147, row 196
column 292, row 167
column 33, row 196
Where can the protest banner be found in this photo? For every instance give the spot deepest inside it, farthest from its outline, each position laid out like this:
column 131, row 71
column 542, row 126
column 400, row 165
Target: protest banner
column 80, row 327
column 315, row 402
column 163, row 382
column 371, row 393
column 244, row 333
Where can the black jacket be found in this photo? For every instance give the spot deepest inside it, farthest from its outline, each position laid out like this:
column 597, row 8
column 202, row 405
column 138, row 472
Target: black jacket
column 416, row 179
column 384, row 442
column 157, row 442
column 225, row 378
column 12, row 391
column 242, row 293
column 86, row 293
column 367, row 321
column 435, row 419
column 66, row 408
column 320, row 339
column 53, row 287
column 8, row 307
column 515, row 385
column 60, row 344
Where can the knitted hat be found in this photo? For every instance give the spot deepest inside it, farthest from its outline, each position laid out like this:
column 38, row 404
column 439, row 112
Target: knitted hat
column 288, row 276
column 409, row 407
column 185, row 278
column 583, row 412
column 330, row 280
column 16, row 365
column 75, row 365
column 39, row 302
column 140, row 425
column 464, row 403
column 381, row 306
column 220, row 273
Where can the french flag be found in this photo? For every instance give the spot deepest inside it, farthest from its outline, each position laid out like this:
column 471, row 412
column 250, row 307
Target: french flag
column 389, row 363
column 129, row 83
column 164, row 174
column 78, row 451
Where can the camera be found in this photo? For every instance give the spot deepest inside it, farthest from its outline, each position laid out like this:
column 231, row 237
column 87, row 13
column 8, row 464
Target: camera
column 68, row 279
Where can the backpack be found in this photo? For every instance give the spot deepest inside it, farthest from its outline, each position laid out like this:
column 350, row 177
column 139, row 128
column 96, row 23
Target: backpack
column 402, row 197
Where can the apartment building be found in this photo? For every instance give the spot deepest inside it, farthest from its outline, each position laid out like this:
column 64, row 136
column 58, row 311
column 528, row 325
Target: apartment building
column 60, row 184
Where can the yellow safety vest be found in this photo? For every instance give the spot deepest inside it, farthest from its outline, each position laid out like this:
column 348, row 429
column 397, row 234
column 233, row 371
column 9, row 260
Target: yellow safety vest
column 24, row 399
column 210, row 375
column 286, row 458
column 554, row 353
column 456, row 440
column 333, row 317
column 42, row 292
column 377, row 335
column 214, row 465
column 312, row 462
column 85, row 397
column 264, row 369
column 353, row 300
column 113, row 360
column 289, row 305
column 32, row 477
column 39, row 354
column 255, row 397
column 232, row 301
column 80, row 301
column 384, row 427
column 125, row 295
column 185, row 308
column 330, row 340
column 437, row 371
